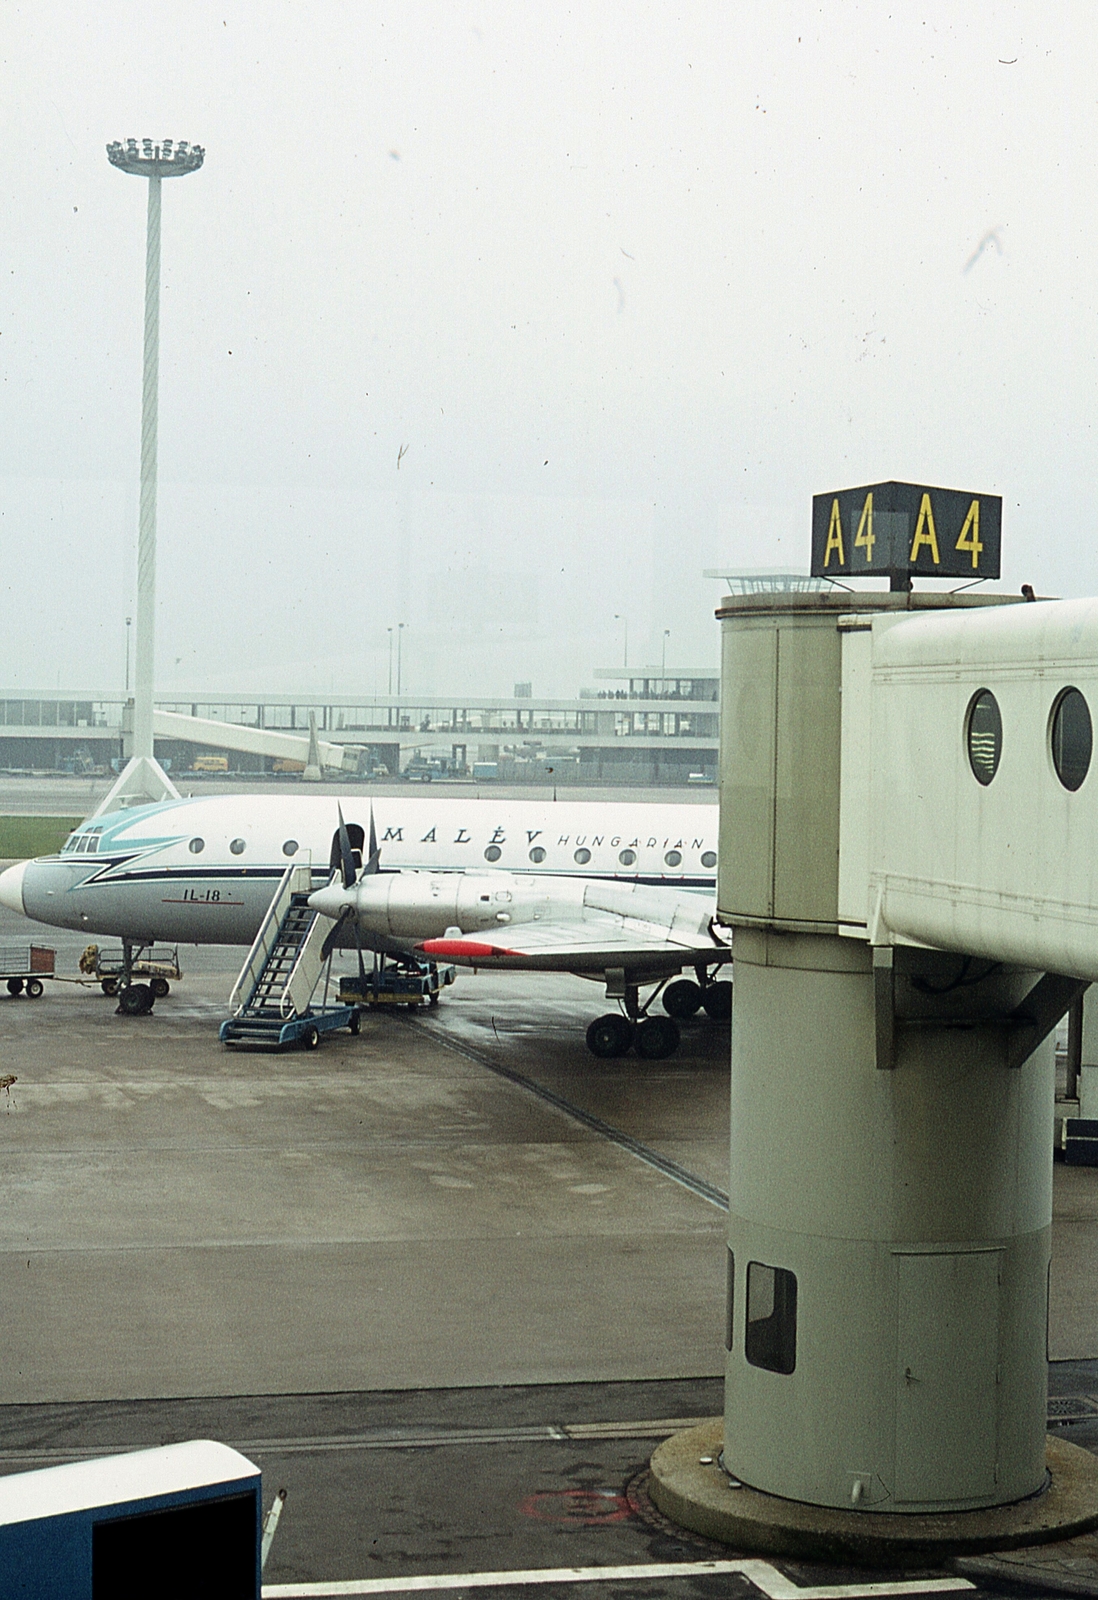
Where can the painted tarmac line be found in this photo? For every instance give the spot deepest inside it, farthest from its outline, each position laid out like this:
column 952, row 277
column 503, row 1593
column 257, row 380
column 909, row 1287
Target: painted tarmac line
column 390, row 1439
column 624, row 1141
column 774, row 1584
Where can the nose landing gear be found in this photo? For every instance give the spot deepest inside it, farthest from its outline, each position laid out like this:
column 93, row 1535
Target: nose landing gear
column 134, row 999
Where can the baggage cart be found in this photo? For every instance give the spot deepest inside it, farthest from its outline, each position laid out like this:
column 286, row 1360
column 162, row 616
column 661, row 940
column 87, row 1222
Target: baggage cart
column 152, row 964
column 24, row 966
column 396, row 983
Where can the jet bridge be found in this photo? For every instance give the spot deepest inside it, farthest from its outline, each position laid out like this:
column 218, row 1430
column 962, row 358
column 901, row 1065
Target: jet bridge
column 908, row 816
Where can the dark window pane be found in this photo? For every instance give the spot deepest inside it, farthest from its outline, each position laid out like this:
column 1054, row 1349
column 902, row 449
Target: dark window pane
column 1072, row 739
column 771, row 1340
column 729, row 1300
column 207, row 1549
column 984, row 735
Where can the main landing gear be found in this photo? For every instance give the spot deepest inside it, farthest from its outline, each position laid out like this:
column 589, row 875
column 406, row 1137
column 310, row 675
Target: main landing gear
column 654, row 1037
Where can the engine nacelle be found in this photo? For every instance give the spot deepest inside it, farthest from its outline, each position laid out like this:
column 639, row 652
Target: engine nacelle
column 423, row 905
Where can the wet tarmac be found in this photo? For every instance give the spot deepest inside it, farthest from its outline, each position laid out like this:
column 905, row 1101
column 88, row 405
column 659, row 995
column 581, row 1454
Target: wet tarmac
column 448, row 1282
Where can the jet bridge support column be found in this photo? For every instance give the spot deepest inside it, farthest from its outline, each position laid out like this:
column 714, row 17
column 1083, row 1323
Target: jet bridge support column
column 888, row 1236
column 890, row 1191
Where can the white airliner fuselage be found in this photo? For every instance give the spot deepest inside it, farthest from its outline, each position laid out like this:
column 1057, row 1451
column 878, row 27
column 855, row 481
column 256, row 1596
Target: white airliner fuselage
column 203, row 870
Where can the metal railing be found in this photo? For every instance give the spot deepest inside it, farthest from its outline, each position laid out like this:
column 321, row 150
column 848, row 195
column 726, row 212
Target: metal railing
column 297, row 879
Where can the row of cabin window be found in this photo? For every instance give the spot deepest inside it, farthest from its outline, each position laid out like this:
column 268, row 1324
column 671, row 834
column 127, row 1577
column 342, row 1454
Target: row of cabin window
column 673, row 858
column 627, row 857
column 770, row 1332
column 1070, row 737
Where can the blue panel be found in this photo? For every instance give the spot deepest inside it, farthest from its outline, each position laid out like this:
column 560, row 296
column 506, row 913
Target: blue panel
column 51, row 1557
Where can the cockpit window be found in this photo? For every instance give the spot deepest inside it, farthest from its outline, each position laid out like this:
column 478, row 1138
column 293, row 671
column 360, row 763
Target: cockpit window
column 82, row 844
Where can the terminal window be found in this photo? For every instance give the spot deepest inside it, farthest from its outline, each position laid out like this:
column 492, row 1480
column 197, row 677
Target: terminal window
column 1072, row 738
column 771, row 1338
column 984, row 736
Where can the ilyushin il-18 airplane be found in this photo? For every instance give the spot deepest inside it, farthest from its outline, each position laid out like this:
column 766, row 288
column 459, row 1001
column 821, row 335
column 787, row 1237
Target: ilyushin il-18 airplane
column 621, row 892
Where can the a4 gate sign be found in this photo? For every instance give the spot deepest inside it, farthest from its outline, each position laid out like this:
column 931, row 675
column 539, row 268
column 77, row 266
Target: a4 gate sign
column 905, row 529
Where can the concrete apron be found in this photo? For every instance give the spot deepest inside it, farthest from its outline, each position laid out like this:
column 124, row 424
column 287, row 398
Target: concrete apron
column 689, row 1485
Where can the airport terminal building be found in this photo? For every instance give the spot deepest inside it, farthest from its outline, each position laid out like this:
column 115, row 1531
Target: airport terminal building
column 639, row 726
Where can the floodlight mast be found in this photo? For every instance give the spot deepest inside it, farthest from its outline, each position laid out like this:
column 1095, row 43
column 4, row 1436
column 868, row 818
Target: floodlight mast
column 154, row 162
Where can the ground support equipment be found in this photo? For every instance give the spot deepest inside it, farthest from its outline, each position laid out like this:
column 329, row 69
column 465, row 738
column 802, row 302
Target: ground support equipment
column 154, row 965
column 24, row 966
column 397, row 983
column 272, row 998
column 267, row 1028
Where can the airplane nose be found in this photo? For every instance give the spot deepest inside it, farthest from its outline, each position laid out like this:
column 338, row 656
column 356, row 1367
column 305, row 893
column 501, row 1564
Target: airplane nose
column 329, row 901
column 11, row 888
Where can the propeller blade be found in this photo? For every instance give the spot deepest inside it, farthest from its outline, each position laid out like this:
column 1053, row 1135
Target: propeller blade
column 345, row 853
column 374, row 860
column 334, row 935
column 361, row 963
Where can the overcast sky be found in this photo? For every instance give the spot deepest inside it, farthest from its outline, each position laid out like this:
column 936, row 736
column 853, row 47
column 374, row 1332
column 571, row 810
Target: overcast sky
column 621, row 286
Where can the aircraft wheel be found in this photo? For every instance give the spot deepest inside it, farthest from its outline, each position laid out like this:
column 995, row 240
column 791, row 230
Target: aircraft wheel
column 310, row 1039
column 160, row 987
column 609, row 1036
column 15, row 986
column 109, row 986
column 355, row 1023
column 717, row 1000
column 682, row 998
column 35, row 988
column 136, row 1000
column 656, row 1038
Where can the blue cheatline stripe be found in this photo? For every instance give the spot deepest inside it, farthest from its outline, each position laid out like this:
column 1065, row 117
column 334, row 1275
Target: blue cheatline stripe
column 226, row 870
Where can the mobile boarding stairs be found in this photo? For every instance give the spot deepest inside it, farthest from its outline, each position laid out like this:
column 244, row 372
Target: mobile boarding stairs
column 272, row 998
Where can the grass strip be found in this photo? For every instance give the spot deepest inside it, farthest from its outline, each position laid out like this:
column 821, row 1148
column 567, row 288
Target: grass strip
column 21, row 837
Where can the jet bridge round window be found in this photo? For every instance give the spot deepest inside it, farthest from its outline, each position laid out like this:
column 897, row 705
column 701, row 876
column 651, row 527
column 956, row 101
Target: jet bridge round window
column 627, row 857
column 237, row 847
column 984, row 736
column 197, row 846
column 493, row 853
column 1071, row 737
column 537, row 855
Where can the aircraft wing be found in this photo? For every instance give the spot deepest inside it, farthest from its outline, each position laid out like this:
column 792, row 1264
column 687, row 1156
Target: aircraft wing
column 634, row 927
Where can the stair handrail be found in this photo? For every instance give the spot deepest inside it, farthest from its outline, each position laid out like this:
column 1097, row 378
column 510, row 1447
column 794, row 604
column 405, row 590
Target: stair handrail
column 304, row 975
column 297, row 879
